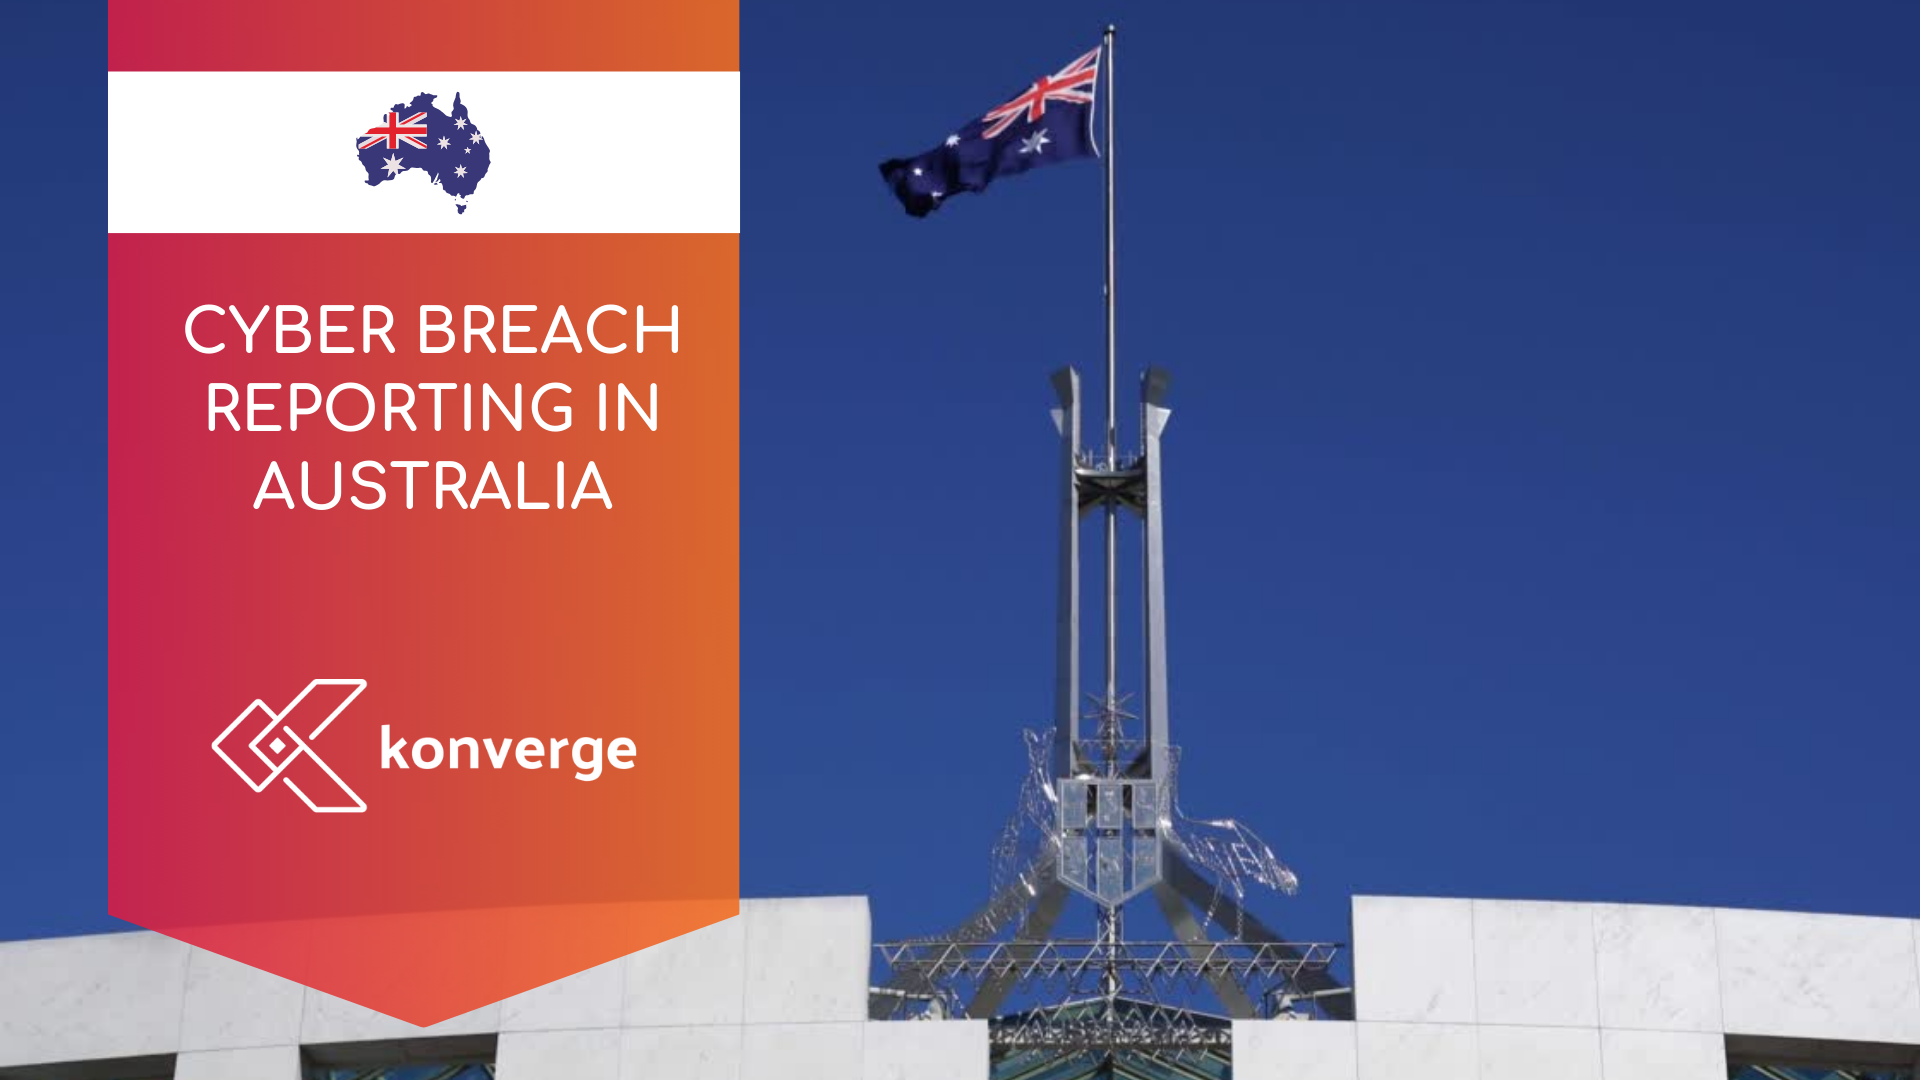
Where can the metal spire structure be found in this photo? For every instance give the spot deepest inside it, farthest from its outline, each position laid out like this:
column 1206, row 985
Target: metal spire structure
column 1099, row 820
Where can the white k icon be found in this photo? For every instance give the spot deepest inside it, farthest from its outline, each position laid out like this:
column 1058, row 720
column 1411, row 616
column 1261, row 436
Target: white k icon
column 284, row 746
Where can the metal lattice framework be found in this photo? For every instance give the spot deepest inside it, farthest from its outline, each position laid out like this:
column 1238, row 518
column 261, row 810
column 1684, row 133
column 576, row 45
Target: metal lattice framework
column 1160, row 981
column 1048, row 1044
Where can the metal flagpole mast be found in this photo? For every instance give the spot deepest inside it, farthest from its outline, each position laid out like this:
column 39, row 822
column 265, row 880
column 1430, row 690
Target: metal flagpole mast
column 1111, row 704
column 1111, row 448
column 1110, row 929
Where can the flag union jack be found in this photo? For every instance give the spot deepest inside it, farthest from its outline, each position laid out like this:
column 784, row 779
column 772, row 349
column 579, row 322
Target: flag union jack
column 1064, row 85
column 1052, row 122
column 411, row 131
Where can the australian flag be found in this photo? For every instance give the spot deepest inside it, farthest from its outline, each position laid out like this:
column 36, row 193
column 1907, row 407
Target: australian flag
column 1049, row 123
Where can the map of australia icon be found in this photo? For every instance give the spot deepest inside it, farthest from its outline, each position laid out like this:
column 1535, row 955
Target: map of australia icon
column 414, row 135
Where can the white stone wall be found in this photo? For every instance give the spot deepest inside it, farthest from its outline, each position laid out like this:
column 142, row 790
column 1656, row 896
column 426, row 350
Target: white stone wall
column 1445, row 990
column 1506, row 990
column 779, row 993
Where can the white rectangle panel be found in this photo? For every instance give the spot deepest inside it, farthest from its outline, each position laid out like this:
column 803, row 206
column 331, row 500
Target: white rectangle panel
column 807, row 959
column 681, row 1053
column 1659, row 967
column 572, row 152
column 1662, row 1055
column 1530, row 1053
column 1413, row 959
column 697, row 978
column 933, row 1050
column 1418, row 1051
column 105, row 996
column 1818, row 976
column 233, row 1006
column 801, row 1051
column 559, row 1055
column 251, row 1063
column 1533, row 963
column 1295, row 1050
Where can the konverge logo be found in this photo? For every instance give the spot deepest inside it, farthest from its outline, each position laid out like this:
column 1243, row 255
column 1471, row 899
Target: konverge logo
column 285, row 746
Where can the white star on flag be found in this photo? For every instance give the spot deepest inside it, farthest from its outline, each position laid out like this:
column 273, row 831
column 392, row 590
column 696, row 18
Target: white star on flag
column 1035, row 143
column 443, row 142
column 392, row 166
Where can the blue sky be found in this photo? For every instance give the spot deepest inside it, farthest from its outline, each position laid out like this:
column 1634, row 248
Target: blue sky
column 1542, row 474
column 1541, row 485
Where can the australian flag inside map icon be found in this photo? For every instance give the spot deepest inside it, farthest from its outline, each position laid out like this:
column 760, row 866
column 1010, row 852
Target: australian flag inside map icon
column 415, row 135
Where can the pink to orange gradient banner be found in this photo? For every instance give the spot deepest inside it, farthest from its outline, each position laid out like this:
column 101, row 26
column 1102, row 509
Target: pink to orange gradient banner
column 423, row 557
column 570, row 584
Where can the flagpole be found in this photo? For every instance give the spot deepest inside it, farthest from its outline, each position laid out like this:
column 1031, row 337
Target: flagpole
column 1111, row 704
column 1112, row 451
column 1109, row 917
